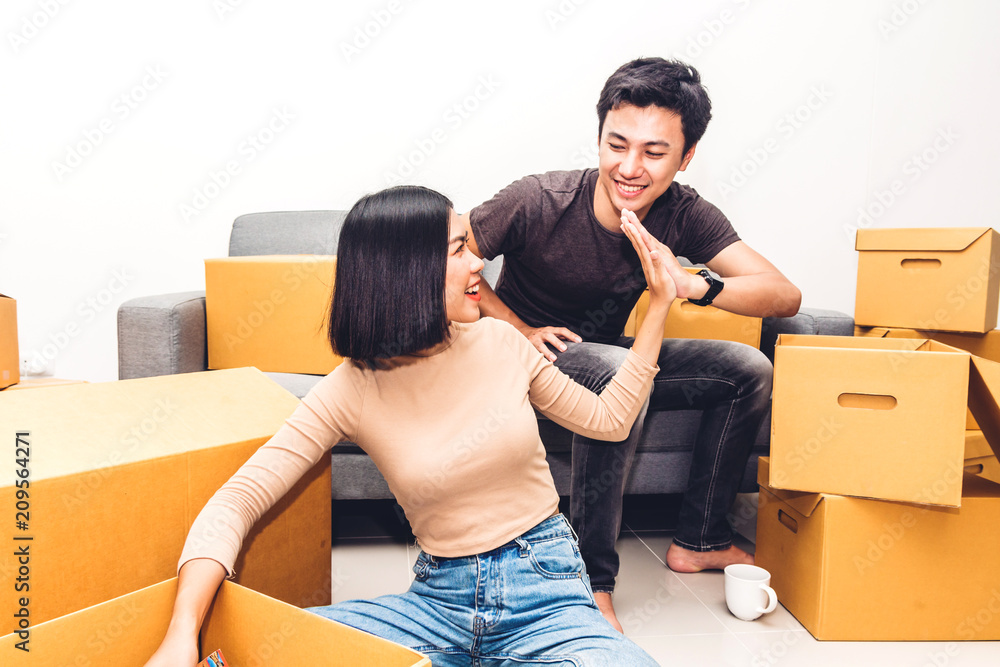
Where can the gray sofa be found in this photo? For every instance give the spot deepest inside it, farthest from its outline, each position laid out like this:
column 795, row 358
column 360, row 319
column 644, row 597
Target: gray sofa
column 165, row 334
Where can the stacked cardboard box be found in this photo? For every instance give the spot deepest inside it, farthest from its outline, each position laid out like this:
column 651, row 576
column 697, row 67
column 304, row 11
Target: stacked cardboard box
column 270, row 312
column 869, row 525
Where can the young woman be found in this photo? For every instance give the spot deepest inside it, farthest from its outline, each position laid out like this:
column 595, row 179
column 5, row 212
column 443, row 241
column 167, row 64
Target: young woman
column 443, row 402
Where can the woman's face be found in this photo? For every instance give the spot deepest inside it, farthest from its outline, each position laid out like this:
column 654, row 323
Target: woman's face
column 461, row 281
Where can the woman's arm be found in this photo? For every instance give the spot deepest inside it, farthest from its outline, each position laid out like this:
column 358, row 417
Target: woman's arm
column 610, row 414
column 197, row 583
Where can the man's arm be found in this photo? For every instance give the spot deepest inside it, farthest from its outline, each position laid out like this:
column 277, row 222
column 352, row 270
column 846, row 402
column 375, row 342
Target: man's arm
column 491, row 305
column 753, row 286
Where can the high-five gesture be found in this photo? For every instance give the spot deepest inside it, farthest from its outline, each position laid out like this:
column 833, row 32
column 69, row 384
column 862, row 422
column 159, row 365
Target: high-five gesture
column 656, row 260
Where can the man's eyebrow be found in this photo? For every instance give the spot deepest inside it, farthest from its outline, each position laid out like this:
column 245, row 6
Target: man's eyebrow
column 615, row 135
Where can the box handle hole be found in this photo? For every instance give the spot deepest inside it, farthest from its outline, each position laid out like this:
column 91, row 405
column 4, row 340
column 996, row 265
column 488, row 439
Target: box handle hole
column 921, row 264
column 974, row 469
column 867, row 401
column 788, row 522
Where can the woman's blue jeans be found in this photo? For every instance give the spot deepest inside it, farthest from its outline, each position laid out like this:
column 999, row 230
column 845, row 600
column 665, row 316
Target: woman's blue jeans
column 730, row 383
column 526, row 603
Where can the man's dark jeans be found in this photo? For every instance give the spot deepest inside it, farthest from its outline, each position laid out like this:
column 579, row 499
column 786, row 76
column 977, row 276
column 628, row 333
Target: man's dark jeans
column 730, row 382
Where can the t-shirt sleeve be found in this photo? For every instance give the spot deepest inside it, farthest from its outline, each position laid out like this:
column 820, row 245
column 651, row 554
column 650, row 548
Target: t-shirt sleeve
column 605, row 416
column 499, row 225
column 707, row 230
column 326, row 416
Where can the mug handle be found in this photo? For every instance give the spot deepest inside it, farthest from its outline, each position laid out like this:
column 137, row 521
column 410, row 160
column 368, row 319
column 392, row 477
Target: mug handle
column 772, row 600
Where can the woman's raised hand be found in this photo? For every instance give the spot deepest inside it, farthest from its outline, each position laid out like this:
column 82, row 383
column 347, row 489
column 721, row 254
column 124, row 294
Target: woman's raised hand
column 658, row 262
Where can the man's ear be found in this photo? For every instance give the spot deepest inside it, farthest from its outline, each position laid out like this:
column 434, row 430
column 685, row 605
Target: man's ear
column 687, row 158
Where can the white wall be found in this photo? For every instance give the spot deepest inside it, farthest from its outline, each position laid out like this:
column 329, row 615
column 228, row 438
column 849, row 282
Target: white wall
column 840, row 96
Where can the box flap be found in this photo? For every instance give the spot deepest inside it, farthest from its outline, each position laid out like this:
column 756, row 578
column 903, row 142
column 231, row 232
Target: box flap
column 802, row 502
column 916, row 239
column 984, row 399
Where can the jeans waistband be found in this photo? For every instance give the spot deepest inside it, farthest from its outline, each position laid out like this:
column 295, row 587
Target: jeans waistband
column 555, row 526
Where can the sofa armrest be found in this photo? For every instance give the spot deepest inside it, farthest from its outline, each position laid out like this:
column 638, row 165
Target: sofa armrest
column 810, row 321
column 162, row 335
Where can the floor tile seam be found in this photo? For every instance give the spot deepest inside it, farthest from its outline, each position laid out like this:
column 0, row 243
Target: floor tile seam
column 725, row 628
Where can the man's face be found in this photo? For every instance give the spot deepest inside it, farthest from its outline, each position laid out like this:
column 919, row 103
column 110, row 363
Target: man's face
column 641, row 150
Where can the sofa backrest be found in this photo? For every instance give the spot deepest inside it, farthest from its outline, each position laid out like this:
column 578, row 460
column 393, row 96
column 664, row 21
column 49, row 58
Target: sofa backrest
column 301, row 233
column 286, row 233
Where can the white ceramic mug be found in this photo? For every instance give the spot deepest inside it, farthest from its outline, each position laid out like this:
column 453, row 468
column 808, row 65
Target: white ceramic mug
column 748, row 591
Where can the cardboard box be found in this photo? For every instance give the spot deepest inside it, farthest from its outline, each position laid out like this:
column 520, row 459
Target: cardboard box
column 943, row 279
column 251, row 629
column 270, row 312
column 117, row 472
column 877, row 417
column 855, row 569
column 687, row 320
column 10, row 359
column 40, row 383
column 985, row 345
column 979, row 457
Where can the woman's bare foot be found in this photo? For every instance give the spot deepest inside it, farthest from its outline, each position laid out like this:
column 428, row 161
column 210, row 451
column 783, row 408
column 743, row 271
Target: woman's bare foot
column 680, row 559
column 604, row 603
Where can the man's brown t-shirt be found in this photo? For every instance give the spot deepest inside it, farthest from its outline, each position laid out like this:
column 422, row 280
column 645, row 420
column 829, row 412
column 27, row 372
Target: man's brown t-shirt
column 563, row 268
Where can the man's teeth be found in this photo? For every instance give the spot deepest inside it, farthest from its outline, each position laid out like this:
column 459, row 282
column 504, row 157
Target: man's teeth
column 473, row 290
column 631, row 188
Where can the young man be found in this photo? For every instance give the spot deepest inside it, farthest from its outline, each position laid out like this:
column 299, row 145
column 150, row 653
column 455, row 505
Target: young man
column 570, row 280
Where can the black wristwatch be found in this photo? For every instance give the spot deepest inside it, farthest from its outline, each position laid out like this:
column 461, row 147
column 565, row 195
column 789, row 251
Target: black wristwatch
column 714, row 287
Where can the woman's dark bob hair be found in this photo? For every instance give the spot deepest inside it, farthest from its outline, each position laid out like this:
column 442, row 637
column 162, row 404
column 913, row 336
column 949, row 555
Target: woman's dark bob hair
column 388, row 294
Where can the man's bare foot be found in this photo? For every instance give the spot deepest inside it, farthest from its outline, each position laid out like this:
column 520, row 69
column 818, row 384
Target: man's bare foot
column 604, row 603
column 680, row 559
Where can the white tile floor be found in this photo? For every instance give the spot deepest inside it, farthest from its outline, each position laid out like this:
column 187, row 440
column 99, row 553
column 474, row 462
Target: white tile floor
column 680, row 619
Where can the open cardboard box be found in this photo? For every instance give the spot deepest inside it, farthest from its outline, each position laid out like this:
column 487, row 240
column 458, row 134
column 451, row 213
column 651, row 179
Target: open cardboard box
column 251, row 629
column 877, row 417
column 943, row 279
column 270, row 312
column 985, row 345
column 10, row 360
column 857, row 569
column 116, row 474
